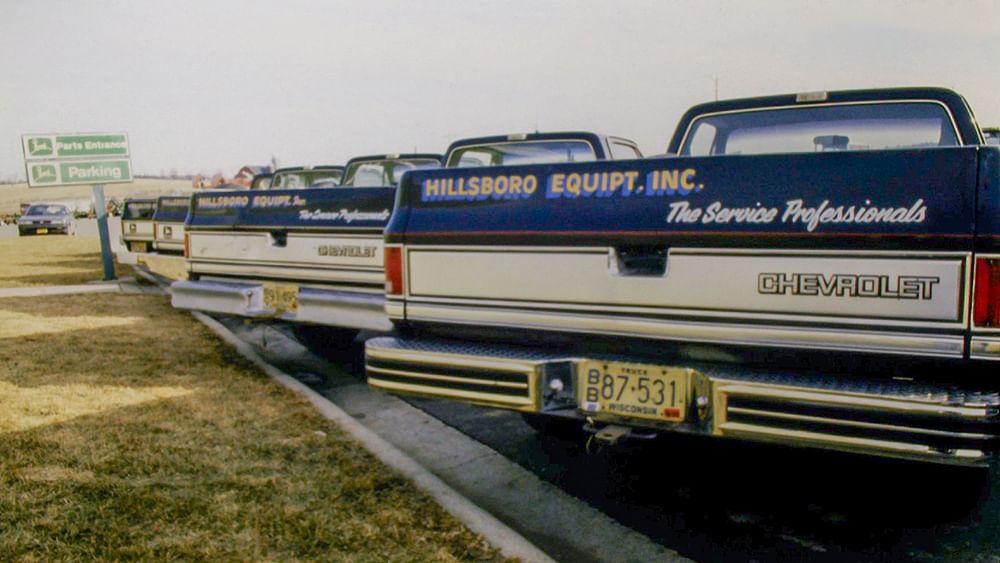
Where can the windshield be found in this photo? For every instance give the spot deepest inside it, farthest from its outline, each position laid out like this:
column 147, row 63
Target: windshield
column 46, row 209
column 522, row 152
column 305, row 179
column 383, row 172
column 822, row 128
column 992, row 136
column 139, row 209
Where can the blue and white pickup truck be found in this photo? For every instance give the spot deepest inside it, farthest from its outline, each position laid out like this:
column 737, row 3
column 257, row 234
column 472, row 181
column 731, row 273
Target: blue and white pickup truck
column 314, row 256
column 819, row 270
column 168, row 224
column 305, row 255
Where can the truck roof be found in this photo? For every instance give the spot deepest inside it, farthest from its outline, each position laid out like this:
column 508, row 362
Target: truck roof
column 596, row 139
column 954, row 102
column 396, row 156
column 305, row 168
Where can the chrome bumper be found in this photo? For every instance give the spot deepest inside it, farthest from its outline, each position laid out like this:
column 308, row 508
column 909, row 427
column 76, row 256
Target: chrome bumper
column 320, row 306
column 874, row 417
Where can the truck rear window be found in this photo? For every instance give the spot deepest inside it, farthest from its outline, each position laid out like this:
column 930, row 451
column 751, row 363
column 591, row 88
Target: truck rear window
column 880, row 126
column 522, row 152
column 387, row 172
column 139, row 210
column 305, row 179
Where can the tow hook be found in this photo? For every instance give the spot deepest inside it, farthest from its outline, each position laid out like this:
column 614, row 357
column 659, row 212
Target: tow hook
column 612, row 434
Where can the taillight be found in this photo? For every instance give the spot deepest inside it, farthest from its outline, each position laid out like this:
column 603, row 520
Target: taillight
column 187, row 245
column 393, row 270
column 986, row 302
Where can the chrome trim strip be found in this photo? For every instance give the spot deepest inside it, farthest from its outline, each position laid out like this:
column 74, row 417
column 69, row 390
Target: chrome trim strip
column 781, row 337
column 488, row 399
column 885, row 447
column 443, row 359
column 470, row 380
column 856, row 424
column 853, row 401
column 983, row 348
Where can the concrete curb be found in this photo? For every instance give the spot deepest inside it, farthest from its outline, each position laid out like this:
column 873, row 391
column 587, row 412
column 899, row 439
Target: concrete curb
column 102, row 287
column 498, row 534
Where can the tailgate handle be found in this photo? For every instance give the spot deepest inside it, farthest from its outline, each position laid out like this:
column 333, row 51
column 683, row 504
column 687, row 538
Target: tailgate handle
column 638, row 261
column 278, row 238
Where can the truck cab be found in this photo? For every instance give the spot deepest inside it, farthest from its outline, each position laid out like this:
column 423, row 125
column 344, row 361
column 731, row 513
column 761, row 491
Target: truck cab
column 818, row 269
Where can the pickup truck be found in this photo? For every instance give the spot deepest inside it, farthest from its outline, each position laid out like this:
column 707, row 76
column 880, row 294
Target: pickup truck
column 168, row 224
column 819, row 270
column 137, row 224
column 294, row 253
column 314, row 256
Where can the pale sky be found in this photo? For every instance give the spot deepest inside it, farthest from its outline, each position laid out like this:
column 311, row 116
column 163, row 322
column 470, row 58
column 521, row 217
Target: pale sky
column 206, row 85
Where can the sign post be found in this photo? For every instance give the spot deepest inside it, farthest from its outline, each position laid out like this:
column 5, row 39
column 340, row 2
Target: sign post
column 81, row 158
column 102, row 229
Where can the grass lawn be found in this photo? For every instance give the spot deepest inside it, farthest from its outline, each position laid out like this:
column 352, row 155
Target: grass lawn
column 128, row 431
column 50, row 260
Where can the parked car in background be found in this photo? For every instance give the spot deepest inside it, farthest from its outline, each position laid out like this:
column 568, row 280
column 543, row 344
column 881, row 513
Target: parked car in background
column 46, row 218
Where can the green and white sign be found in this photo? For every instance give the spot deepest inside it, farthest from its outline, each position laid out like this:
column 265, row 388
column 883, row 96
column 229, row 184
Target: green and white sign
column 77, row 158
column 73, row 172
column 83, row 145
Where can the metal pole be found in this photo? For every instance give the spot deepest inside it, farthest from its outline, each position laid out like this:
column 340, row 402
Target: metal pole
column 102, row 229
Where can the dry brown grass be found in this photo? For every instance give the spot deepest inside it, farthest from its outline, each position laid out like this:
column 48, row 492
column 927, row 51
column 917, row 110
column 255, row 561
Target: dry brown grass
column 129, row 432
column 49, row 260
column 12, row 195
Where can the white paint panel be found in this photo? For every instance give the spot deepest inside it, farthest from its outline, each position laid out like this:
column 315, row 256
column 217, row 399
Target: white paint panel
column 713, row 281
column 302, row 249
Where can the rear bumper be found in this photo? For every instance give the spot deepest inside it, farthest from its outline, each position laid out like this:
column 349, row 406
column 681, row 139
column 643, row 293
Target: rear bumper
column 883, row 418
column 49, row 229
column 319, row 306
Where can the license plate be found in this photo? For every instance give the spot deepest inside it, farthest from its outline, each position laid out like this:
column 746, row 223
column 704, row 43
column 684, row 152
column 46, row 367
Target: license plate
column 139, row 247
column 281, row 296
column 42, row 231
column 643, row 391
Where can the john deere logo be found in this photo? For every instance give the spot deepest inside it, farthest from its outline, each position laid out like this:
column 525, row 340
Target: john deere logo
column 40, row 147
column 43, row 173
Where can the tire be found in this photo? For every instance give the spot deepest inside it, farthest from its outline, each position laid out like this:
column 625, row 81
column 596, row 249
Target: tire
column 325, row 341
column 554, row 426
column 22, row 233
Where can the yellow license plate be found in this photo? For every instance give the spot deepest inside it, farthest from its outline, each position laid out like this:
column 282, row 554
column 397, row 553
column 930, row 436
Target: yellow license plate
column 139, row 247
column 281, row 296
column 42, row 231
column 627, row 390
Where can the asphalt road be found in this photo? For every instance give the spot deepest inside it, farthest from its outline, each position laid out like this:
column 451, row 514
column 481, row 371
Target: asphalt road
column 714, row 500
